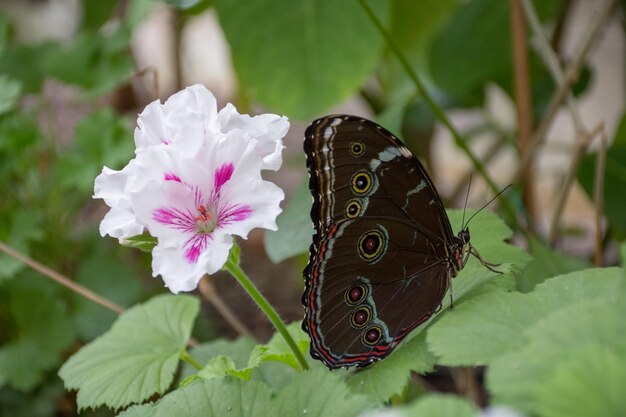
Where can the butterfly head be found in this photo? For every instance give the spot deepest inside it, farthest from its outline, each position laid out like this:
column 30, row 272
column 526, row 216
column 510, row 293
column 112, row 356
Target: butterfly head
column 459, row 251
column 464, row 236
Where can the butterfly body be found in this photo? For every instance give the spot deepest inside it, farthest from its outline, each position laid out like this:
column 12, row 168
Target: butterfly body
column 383, row 253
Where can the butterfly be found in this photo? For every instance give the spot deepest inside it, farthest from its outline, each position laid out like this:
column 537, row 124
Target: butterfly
column 383, row 252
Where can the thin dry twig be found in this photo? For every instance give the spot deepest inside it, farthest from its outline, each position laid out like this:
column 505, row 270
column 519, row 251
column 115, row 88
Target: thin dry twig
column 551, row 60
column 598, row 196
column 68, row 283
column 523, row 102
column 61, row 279
column 580, row 149
column 209, row 293
column 570, row 76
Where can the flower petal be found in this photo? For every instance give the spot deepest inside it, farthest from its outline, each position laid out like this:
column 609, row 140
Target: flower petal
column 119, row 223
column 268, row 129
column 112, row 186
column 168, row 210
column 181, row 275
column 261, row 200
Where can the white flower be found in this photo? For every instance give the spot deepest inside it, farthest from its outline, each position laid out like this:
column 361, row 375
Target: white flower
column 113, row 186
column 500, row 411
column 268, row 129
column 191, row 116
column 384, row 412
column 195, row 182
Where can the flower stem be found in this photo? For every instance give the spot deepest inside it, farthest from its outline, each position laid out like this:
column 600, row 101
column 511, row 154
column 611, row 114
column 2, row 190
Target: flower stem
column 190, row 360
column 232, row 266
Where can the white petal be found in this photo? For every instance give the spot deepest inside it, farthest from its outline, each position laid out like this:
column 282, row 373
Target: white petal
column 189, row 116
column 263, row 197
column 195, row 99
column 180, row 275
column 268, row 129
column 110, row 185
column 120, row 222
column 171, row 196
column 150, row 130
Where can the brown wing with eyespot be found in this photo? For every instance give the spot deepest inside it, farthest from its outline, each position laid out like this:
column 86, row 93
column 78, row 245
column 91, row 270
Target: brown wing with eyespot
column 362, row 177
column 357, row 168
column 374, row 280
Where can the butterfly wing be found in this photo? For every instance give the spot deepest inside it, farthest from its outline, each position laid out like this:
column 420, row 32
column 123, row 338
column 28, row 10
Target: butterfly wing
column 369, row 193
column 370, row 283
column 357, row 168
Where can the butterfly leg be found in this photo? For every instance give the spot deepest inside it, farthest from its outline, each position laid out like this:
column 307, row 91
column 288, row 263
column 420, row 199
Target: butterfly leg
column 488, row 265
column 450, row 286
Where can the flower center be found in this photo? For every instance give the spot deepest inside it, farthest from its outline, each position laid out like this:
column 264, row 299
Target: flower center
column 205, row 220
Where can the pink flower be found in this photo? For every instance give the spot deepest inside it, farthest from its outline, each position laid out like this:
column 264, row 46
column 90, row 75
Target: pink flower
column 194, row 183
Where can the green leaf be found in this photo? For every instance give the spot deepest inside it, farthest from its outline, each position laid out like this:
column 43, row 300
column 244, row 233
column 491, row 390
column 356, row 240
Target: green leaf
column 211, row 398
column 143, row 242
column 486, row 326
column 614, row 179
column 96, row 13
column 301, row 58
column 275, row 374
column 97, row 61
column 221, row 366
column 101, row 138
column 136, row 358
column 546, row 263
column 189, row 4
column 278, row 350
column 474, row 47
column 41, row 330
column 413, row 26
column 488, row 236
column 43, row 402
column 440, row 405
column 592, row 380
column 10, row 91
column 382, row 380
column 105, row 273
column 25, row 229
column 319, row 393
column 29, row 64
column 238, row 350
column 518, row 377
column 4, row 31
column 295, row 229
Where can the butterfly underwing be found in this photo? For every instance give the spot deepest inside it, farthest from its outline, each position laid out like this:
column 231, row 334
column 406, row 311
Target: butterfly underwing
column 383, row 252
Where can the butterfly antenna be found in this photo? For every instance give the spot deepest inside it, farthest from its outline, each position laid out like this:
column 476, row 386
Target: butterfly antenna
column 466, row 198
column 489, row 202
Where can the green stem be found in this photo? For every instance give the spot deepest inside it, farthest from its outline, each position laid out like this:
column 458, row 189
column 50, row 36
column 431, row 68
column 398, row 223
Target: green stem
column 232, row 266
column 191, row 361
column 441, row 115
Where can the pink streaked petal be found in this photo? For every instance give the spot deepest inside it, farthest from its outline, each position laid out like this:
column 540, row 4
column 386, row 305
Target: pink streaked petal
column 221, row 175
column 195, row 246
column 175, row 218
column 170, row 176
column 233, row 213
